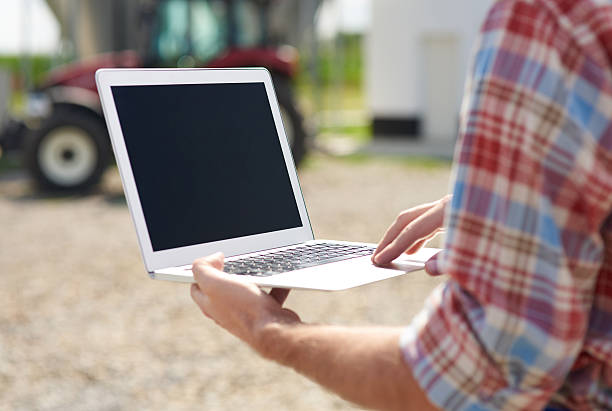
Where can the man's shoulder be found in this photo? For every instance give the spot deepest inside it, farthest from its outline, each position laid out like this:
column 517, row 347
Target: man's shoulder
column 519, row 16
column 562, row 24
column 516, row 24
column 566, row 14
column 587, row 24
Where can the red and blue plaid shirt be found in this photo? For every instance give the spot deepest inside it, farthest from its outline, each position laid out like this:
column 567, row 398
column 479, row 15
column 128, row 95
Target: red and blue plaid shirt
column 525, row 319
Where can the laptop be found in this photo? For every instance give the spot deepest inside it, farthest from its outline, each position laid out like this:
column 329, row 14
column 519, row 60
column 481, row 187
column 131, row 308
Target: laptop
column 206, row 167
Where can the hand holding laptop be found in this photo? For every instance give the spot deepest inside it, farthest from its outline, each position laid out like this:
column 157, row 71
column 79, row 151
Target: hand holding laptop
column 247, row 312
column 243, row 309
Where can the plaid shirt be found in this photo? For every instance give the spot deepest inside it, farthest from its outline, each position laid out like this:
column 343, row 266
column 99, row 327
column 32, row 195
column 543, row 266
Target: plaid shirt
column 525, row 319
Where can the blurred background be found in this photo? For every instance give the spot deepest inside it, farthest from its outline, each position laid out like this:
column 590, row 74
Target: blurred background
column 369, row 93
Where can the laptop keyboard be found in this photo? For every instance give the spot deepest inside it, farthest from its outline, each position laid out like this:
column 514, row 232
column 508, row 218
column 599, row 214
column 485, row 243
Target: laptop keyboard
column 295, row 258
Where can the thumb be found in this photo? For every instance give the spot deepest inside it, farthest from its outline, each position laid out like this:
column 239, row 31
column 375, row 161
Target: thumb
column 215, row 260
column 432, row 266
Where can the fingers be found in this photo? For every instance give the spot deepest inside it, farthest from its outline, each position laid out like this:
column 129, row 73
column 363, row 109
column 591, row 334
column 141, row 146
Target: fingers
column 404, row 241
column 413, row 235
column 215, row 260
column 431, row 266
column 400, row 223
column 280, row 294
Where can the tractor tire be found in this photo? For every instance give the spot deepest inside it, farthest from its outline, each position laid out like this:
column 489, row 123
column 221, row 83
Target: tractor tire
column 292, row 119
column 69, row 152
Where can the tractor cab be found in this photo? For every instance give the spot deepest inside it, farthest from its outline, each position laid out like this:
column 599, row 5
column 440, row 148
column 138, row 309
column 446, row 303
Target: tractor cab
column 188, row 33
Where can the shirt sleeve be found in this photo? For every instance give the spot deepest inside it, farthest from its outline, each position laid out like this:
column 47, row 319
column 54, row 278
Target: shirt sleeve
column 522, row 245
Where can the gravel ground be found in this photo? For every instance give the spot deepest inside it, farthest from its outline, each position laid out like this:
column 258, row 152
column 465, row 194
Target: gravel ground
column 82, row 327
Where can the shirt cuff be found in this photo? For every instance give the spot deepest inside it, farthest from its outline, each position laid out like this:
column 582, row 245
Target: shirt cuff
column 445, row 359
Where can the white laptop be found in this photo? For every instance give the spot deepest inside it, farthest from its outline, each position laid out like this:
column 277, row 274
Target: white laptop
column 206, row 167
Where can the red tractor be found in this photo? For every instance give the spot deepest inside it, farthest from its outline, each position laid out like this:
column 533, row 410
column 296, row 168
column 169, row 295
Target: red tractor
column 64, row 139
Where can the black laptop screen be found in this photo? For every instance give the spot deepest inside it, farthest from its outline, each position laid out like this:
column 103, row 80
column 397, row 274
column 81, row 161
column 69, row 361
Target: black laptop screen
column 207, row 162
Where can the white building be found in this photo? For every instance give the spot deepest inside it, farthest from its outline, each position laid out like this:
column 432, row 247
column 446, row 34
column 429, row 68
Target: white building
column 417, row 54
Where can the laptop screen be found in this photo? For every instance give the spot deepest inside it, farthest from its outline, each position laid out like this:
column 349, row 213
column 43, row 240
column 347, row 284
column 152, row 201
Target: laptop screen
column 207, row 162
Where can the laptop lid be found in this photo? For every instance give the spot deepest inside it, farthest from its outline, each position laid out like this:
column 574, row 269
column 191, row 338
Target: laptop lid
column 204, row 162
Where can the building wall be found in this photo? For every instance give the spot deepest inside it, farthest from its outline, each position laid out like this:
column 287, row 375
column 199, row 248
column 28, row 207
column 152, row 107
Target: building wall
column 417, row 54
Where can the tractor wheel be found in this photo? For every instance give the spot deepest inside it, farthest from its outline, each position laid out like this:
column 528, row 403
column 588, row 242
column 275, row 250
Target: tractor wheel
column 292, row 119
column 69, row 152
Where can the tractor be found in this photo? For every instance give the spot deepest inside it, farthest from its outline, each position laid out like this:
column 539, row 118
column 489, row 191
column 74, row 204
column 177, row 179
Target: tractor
column 63, row 138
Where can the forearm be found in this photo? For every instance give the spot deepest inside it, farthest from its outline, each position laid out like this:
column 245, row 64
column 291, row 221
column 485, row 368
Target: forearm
column 361, row 365
column 364, row 365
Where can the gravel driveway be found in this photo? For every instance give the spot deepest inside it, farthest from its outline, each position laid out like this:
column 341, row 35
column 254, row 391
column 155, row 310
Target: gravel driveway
column 83, row 328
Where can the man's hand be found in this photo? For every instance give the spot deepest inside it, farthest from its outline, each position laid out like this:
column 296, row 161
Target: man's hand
column 361, row 365
column 242, row 309
column 411, row 230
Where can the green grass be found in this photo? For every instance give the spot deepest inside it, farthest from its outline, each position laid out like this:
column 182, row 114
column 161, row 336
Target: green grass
column 346, row 50
column 424, row 162
column 359, row 133
column 314, row 160
column 408, row 162
column 17, row 66
column 339, row 78
column 331, row 96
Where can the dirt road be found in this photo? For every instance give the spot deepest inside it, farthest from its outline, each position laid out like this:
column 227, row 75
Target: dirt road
column 83, row 328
